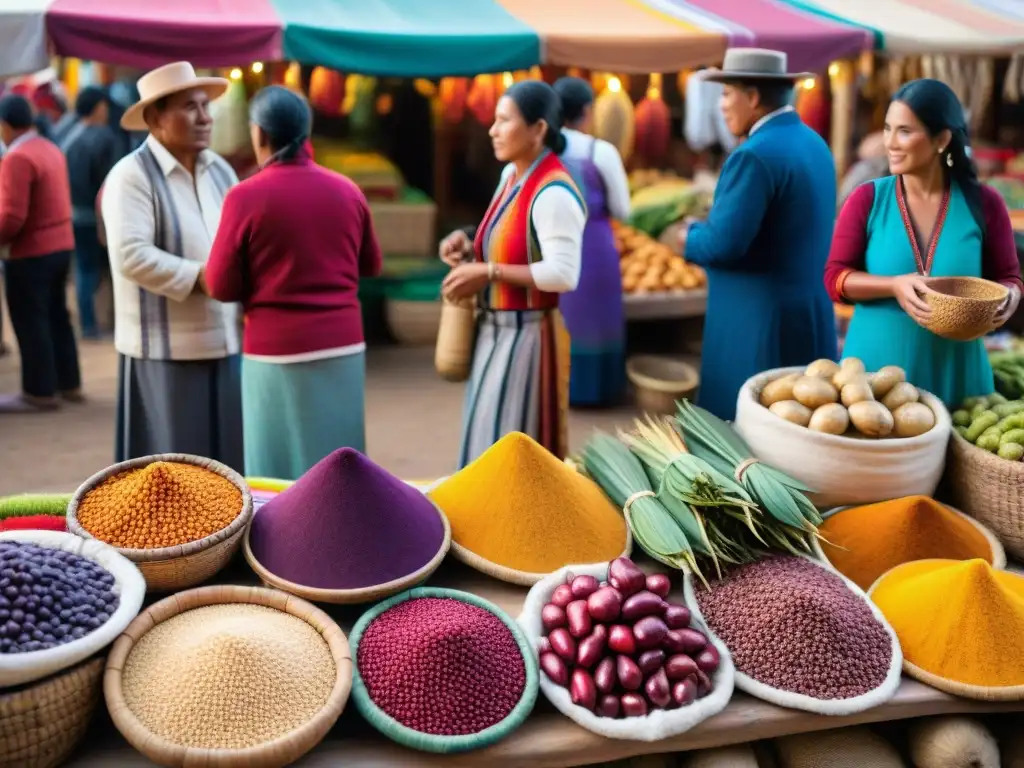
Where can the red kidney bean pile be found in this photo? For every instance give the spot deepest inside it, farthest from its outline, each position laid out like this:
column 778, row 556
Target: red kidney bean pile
column 442, row 666
column 620, row 647
column 797, row 627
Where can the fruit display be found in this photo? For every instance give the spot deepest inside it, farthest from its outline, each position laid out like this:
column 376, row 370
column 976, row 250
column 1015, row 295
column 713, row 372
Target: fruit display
column 652, row 267
column 642, row 178
column 1008, row 369
column 621, row 648
column 657, row 206
column 844, row 399
column 994, row 424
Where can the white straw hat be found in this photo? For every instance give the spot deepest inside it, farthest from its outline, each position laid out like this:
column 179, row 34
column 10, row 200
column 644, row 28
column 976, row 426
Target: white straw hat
column 753, row 64
column 165, row 81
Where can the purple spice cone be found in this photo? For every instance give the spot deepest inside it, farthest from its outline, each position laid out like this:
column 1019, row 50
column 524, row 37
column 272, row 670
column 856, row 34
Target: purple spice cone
column 346, row 524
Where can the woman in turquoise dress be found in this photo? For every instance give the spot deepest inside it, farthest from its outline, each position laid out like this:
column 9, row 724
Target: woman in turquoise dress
column 932, row 218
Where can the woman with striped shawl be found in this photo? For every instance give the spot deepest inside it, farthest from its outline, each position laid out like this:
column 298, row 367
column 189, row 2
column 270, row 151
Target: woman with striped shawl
column 525, row 252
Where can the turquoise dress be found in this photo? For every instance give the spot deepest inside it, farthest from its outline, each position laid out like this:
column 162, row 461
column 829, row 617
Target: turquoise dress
column 881, row 333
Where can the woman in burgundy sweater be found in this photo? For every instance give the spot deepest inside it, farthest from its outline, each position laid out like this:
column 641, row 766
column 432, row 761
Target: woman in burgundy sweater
column 292, row 244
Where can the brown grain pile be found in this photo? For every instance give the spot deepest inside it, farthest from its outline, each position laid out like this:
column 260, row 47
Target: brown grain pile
column 164, row 504
column 228, row 676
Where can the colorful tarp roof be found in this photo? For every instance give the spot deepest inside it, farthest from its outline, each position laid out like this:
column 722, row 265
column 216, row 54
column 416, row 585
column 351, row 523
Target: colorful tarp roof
column 418, row 37
column 908, row 27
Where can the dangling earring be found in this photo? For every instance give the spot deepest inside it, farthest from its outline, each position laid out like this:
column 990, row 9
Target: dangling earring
column 949, row 160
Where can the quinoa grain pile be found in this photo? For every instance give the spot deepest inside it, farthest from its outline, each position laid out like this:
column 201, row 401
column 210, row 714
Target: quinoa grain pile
column 228, row 676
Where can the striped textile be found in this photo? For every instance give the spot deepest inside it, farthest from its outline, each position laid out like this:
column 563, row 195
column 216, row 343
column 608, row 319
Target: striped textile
column 519, row 382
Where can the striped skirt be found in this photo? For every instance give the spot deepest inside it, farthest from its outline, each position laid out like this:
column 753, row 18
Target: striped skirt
column 519, row 382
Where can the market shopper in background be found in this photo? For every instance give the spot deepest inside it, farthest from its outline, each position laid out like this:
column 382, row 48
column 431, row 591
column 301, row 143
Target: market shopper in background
column 91, row 149
column 766, row 240
column 525, row 253
column 35, row 228
column 932, row 218
column 594, row 313
column 179, row 384
column 292, row 244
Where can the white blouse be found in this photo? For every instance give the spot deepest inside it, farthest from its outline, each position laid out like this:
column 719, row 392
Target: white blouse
column 558, row 219
column 609, row 164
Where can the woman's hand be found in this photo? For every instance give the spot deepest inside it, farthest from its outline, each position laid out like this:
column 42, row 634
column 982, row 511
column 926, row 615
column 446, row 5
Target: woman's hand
column 909, row 290
column 1009, row 307
column 453, row 249
column 464, row 281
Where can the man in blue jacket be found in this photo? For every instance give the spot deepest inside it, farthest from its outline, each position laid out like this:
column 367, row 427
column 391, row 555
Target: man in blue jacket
column 767, row 238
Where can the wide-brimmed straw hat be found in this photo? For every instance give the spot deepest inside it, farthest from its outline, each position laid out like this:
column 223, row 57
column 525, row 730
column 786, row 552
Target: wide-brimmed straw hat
column 754, row 64
column 165, row 81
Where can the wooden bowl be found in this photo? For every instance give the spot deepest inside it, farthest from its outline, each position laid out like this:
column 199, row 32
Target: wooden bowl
column 283, row 750
column 963, row 308
column 41, row 724
column 660, row 382
column 168, row 569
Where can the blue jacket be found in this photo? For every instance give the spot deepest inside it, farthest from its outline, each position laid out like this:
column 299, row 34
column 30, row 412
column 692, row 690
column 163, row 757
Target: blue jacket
column 764, row 247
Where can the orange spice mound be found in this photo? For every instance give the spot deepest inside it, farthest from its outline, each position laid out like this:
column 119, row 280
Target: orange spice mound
column 520, row 507
column 963, row 621
column 864, row 542
column 161, row 505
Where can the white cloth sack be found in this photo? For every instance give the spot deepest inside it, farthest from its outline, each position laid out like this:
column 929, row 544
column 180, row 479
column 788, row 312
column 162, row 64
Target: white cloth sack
column 705, row 125
column 129, row 585
column 837, row 707
column 659, row 724
column 885, row 469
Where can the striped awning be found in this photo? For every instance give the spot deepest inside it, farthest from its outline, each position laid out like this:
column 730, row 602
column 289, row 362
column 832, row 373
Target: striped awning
column 415, row 38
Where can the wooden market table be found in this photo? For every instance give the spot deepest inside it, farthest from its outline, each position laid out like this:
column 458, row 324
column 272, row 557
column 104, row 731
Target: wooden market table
column 548, row 739
column 666, row 306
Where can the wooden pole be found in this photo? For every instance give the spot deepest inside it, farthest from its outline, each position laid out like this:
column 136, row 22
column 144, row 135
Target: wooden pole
column 842, row 75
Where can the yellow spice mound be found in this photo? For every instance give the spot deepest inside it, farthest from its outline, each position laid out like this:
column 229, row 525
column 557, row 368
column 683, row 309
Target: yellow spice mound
column 228, row 676
column 963, row 621
column 520, row 507
column 164, row 504
column 864, row 542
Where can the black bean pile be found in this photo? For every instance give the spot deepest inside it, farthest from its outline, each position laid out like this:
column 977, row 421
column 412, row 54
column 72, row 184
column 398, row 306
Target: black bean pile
column 796, row 627
column 49, row 597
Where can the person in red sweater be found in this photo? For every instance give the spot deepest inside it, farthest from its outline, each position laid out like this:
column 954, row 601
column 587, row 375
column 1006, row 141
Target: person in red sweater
column 292, row 244
column 35, row 225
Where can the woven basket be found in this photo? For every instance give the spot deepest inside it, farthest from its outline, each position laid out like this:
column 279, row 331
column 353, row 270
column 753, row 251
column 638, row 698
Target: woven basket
column 963, row 308
column 40, row 725
column 660, row 382
column 456, row 335
column 426, row 742
column 413, row 323
column 963, row 690
column 989, row 489
column 405, row 228
column 283, row 750
column 352, row 596
column 168, row 569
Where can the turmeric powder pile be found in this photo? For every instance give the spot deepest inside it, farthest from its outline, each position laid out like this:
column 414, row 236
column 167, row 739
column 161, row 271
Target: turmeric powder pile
column 164, row 504
column 520, row 507
column 959, row 620
column 864, row 542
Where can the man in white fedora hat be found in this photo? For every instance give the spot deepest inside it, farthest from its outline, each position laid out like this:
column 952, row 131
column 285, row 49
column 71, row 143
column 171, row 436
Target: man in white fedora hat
column 179, row 388
column 767, row 237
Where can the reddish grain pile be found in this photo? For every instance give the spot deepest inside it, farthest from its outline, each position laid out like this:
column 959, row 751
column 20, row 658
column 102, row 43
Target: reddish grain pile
column 442, row 666
column 797, row 627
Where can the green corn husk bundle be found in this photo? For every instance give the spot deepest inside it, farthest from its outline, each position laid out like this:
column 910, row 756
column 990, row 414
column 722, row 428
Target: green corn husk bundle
column 664, row 534
column 31, row 504
column 783, row 498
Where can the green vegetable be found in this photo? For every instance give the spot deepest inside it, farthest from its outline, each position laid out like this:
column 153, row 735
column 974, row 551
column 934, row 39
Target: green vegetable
column 977, row 410
column 1013, row 421
column 962, row 418
column 1013, row 436
column 1002, row 410
column 34, row 504
column 996, row 431
column 962, row 431
column 981, row 422
column 1011, row 451
column 988, row 442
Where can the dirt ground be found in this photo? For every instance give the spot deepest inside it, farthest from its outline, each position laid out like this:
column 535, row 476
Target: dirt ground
column 413, row 419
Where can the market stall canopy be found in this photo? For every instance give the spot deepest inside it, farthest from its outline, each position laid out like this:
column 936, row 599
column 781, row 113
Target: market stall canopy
column 416, row 39
column 949, row 27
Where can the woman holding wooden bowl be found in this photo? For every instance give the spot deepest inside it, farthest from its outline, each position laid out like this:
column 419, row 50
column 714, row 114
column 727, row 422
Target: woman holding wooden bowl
column 898, row 237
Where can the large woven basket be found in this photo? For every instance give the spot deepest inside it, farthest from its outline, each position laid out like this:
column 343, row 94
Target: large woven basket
column 168, row 569
column 660, row 382
column 963, row 308
column 990, row 489
column 283, row 750
column 413, row 323
column 41, row 724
